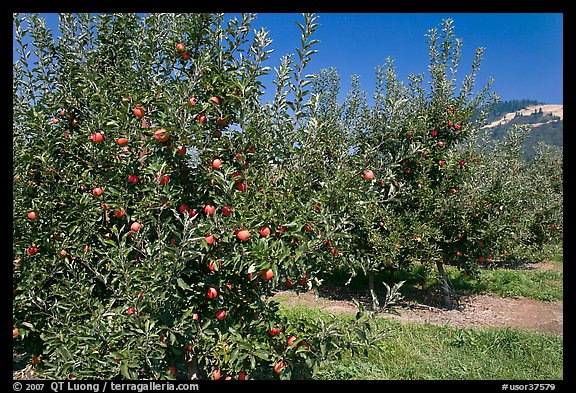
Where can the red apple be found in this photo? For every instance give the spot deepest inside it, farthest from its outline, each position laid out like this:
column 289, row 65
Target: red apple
column 222, row 121
column 212, row 293
column 265, row 231
column 192, row 101
column 274, row 331
column 180, row 47
column 181, row 150
column 132, row 179
column 369, row 175
column 216, row 163
column 216, row 374
column 122, row 141
column 291, row 340
column 119, row 213
column 15, row 332
column 186, row 55
column 209, row 239
column 278, row 367
column 209, row 209
column 97, row 191
column 221, row 314
column 243, row 234
column 214, row 100
column 202, row 119
column 268, row 274
column 138, row 112
column 97, row 137
column 242, row 187
column 227, row 210
column 135, row 227
column 161, row 135
column 32, row 215
column 172, row 370
column 433, row 133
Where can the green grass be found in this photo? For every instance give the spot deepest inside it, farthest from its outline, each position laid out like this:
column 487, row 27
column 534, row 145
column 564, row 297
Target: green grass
column 543, row 285
column 425, row 352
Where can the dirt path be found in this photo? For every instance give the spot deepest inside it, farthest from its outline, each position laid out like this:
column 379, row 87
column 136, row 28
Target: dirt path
column 473, row 310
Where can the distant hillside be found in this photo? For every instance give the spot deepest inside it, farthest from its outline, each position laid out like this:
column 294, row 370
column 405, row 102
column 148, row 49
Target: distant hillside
column 546, row 122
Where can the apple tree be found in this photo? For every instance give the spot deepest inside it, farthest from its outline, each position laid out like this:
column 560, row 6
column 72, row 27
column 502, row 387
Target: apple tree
column 154, row 210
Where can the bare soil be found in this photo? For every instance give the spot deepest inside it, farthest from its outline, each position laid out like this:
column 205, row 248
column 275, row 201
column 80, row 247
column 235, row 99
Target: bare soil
column 471, row 310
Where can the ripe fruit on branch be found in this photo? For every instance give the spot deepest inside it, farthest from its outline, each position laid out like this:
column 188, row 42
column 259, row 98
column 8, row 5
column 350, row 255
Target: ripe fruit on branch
column 278, row 367
column 291, row 340
column 139, row 112
column 227, row 210
column 216, row 163
column 132, row 179
column 453, row 191
column 212, row 293
column 186, row 55
column 209, row 209
column 209, row 238
column 135, row 227
column 202, row 119
column 15, row 332
column 433, row 133
column 222, row 121
column 161, row 135
column 243, row 234
column 268, row 274
column 192, row 101
column 214, row 100
column 242, row 186
column 97, row 137
column 369, row 175
column 119, row 213
column 32, row 215
column 121, row 141
column 265, row 231
column 216, row 374
column 221, row 314
column 97, row 191
column 162, row 178
column 180, row 47
column 274, row 331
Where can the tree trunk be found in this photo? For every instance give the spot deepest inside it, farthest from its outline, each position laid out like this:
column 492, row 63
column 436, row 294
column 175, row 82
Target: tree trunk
column 446, row 289
column 192, row 367
column 375, row 304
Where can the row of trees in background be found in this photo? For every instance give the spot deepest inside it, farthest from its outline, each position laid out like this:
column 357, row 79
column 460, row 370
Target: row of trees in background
column 158, row 203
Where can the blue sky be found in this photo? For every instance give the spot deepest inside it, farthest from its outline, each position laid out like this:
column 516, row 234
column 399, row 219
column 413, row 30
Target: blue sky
column 523, row 51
